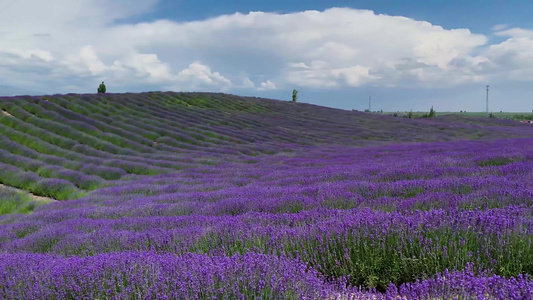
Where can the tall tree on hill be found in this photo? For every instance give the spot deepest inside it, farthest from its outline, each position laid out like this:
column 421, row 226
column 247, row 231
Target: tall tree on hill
column 294, row 95
column 101, row 88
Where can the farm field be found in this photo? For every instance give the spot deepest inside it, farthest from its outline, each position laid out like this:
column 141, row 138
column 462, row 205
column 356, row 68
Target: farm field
column 214, row 196
column 517, row 116
column 496, row 114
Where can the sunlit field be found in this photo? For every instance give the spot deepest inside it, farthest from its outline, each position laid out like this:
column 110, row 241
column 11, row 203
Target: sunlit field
column 214, row 196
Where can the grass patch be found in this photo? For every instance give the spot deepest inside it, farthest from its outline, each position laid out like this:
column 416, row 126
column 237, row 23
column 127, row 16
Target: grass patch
column 496, row 161
column 16, row 202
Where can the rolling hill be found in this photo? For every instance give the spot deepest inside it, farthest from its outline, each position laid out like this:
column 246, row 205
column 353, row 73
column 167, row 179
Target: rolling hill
column 202, row 195
column 63, row 146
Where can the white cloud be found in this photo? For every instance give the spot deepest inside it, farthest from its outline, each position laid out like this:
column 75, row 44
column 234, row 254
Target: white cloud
column 349, row 44
column 44, row 55
column 321, row 74
column 353, row 76
column 85, row 61
column 247, row 83
column 201, row 75
column 267, row 85
column 510, row 60
column 150, row 66
column 515, row 32
column 499, row 27
column 78, row 44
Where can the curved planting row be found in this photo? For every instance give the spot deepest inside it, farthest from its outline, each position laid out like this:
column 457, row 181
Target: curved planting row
column 353, row 214
column 202, row 196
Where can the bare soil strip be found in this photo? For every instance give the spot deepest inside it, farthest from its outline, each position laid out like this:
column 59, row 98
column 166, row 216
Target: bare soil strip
column 5, row 113
column 34, row 197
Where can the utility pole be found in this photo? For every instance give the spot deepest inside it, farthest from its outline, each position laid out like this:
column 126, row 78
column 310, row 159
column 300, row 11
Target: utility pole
column 487, row 100
column 369, row 103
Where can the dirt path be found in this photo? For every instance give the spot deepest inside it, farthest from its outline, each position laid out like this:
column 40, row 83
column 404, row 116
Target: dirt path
column 34, row 197
column 5, row 113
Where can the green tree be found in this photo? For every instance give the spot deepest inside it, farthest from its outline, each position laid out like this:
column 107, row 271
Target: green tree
column 294, row 95
column 101, row 88
column 432, row 113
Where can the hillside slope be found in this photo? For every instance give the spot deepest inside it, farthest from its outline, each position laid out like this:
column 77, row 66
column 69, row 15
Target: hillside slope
column 64, row 146
column 204, row 196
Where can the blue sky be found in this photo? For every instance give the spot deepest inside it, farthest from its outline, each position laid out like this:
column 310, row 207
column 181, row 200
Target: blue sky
column 405, row 54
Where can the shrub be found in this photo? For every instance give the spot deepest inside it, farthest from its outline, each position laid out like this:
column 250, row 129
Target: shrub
column 432, row 113
column 101, row 88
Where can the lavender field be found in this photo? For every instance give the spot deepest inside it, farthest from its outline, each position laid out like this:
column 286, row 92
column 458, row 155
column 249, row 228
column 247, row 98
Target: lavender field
column 214, row 196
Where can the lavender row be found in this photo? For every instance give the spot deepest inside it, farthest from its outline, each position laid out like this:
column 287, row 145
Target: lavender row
column 373, row 248
column 152, row 276
column 220, row 197
column 162, row 124
column 65, row 142
column 49, row 187
column 314, row 124
column 135, row 163
column 79, row 152
column 146, row 275
column 464, row 285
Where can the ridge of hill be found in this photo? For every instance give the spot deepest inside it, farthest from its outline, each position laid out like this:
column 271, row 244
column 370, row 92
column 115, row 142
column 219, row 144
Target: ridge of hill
column 64, row 146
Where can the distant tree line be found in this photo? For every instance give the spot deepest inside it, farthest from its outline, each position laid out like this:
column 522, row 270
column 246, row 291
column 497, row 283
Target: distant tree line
column 410, row 115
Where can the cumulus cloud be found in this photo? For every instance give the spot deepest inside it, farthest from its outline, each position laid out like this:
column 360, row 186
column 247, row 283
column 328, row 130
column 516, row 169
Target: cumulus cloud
column 509, row 60
column 247, row 83
column 85, row 61
column 81, row 43
column 267, row 85
column 348, row 44
column 201, row 75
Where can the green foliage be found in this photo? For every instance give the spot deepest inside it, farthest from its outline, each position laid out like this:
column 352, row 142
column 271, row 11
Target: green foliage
column 410, row 114
column 496, row 161
column 375, row 258
column 57, row 189
column 294, row 95
column 522, row 117
column 432, row 113
column 101, row 88
column 12, row 201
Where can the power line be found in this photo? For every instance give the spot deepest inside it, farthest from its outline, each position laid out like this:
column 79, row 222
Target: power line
column 487, row 100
